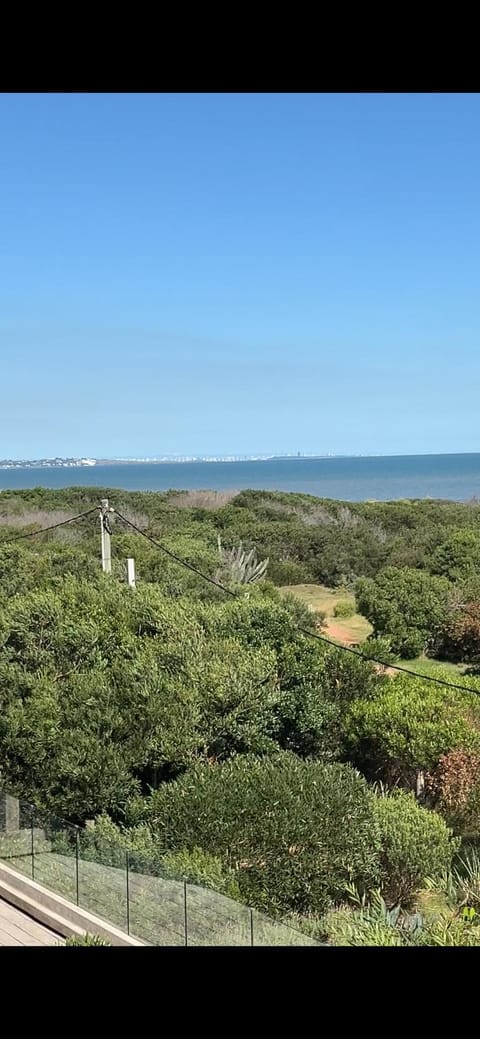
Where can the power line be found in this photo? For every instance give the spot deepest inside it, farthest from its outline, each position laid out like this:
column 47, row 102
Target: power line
column 394, row 667
column 299, row 628
column 178, row 559
column 234, row 595
column 54, row 526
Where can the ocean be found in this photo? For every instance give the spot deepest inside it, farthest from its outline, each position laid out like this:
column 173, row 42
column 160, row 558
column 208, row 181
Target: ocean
column 455, row 476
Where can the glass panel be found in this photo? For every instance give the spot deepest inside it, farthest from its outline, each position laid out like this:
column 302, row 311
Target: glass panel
column 16, row 835
column 156, row 904
column 214, row 919
column 102, row 881
column 273, row 932
column 55, row 865
column 127, row 889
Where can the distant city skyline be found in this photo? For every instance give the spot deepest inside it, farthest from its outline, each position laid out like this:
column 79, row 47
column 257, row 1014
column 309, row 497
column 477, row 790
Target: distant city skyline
column 219, row 271
column 57, row 461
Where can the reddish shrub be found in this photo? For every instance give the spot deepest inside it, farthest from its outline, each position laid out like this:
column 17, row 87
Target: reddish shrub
column 459, row 636
column 454, row 786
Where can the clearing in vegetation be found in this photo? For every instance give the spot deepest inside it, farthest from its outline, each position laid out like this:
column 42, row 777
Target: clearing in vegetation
column 350, row 630
column 355, row 629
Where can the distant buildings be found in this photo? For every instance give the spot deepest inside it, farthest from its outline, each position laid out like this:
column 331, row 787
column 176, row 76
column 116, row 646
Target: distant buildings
column 45, row 463
column 75, row 463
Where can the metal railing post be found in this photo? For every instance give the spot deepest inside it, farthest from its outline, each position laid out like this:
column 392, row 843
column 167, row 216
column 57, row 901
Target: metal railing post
column 185, row 911
column 77, row 886
column 127, row 878
column 32, row 842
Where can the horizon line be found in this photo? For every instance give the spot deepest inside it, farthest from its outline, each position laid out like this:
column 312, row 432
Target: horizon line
column 186, row 459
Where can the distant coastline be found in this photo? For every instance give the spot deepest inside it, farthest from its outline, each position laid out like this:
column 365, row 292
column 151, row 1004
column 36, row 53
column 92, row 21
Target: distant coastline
column 80, row 463
column 186, row 459
column 83, row 462
column 342, row 478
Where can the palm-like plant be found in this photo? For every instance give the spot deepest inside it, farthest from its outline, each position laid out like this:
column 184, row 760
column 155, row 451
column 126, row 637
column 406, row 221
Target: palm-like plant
column 239, row 566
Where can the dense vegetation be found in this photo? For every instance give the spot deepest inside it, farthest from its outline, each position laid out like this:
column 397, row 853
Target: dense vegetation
column 208, row 734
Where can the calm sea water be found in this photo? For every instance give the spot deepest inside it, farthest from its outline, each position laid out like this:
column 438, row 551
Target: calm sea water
column 352, row 479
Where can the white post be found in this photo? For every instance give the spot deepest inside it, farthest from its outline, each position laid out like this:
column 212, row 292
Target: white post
column 131, row 572
column 420, row 785
column 106, row 544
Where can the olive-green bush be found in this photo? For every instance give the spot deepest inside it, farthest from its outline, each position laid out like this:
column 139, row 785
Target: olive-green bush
column 406, row 726
column 415, row 844
column 200, row 867
column 295, row 832
column 344, row 608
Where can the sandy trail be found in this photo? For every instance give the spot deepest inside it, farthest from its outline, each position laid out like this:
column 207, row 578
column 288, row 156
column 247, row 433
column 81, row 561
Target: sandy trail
column 341, row 632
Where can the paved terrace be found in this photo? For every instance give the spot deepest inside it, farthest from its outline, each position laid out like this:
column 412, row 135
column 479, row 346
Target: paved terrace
column 18, row 929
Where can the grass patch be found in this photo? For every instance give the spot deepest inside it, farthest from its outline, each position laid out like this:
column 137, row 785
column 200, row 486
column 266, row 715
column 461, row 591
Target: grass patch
column 357, row 629
column 324, row 600
column 436, row 668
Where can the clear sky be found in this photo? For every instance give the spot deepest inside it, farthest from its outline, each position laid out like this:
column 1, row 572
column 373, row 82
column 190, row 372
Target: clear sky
column 233, row 273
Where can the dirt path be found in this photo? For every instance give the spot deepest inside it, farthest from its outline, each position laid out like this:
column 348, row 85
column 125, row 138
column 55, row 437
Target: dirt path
column 341, row 632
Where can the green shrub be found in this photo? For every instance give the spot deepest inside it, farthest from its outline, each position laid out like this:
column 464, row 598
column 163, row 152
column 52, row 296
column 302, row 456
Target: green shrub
column 416, row 843
column 344, row 677
column 108, row 843
column 379, row 648
column 344, row 608
column 289, row 572
column 406, row 604
column 295, row 832
column 458, row 558
column 300, row 613
column 200, row 867
column 407, row 726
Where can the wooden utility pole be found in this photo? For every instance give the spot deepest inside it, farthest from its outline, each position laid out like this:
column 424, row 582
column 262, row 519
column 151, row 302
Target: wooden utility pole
column 106, row 540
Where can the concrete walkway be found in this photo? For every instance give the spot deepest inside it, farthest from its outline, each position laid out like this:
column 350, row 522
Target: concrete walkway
column 18, row 929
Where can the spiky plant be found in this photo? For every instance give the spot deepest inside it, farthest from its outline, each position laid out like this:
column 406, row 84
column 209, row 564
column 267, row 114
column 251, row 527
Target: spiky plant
column 239, row 566
column 86, row 939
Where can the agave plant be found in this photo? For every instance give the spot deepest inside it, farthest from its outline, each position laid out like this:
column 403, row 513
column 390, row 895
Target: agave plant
column 240, row 566
column 466, row 878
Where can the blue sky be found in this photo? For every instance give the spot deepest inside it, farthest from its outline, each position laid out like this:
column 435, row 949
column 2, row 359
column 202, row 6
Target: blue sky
column 233, row 273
